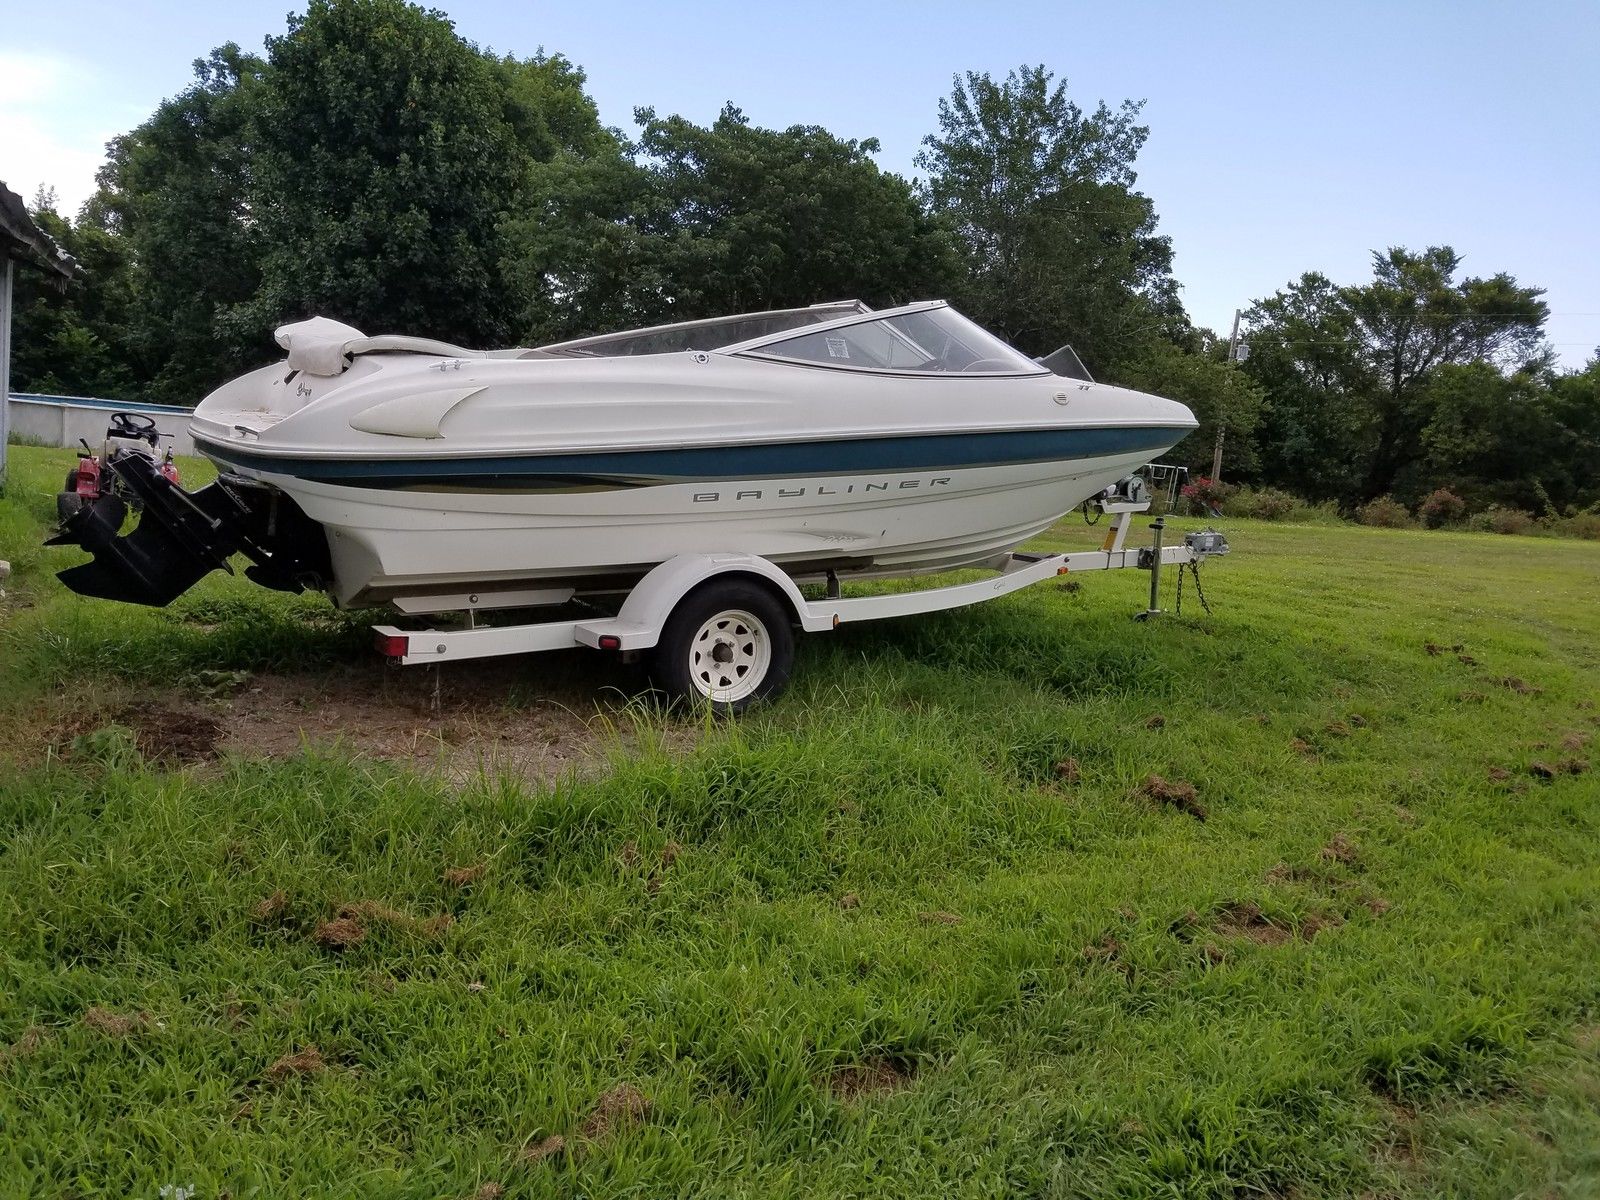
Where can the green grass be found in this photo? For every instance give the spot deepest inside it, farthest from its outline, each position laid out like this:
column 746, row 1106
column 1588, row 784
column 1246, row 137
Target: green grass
column 730, row 927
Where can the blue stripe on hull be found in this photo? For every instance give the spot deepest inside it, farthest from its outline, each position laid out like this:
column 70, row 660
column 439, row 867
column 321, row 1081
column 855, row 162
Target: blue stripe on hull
column 636, row 468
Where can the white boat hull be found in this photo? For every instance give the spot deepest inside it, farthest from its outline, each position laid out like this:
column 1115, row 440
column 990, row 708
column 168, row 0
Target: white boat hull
column 393, row 544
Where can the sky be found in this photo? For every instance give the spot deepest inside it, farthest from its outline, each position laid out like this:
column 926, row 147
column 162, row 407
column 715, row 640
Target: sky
column 1284, row 137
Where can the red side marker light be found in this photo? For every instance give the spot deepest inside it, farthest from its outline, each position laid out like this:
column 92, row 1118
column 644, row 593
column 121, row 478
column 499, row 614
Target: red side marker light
column 393, row 645
column 610, row 641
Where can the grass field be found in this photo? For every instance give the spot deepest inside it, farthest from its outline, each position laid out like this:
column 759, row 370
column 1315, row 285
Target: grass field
column 925, row 927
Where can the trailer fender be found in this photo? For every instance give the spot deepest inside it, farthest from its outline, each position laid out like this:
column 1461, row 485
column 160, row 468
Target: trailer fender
column 644, row 613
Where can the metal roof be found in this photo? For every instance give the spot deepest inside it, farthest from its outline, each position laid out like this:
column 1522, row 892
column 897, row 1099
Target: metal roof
column 21, row 239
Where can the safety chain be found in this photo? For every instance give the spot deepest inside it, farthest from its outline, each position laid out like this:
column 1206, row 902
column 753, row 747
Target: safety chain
column 1194, row 567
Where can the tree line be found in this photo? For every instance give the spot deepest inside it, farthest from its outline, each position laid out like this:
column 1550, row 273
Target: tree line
column 374, row 166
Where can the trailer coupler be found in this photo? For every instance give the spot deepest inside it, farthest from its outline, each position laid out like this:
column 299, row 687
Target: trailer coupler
column 183, row 536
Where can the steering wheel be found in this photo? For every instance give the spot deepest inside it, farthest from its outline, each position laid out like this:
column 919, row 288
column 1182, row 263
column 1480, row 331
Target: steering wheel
column 135, row 425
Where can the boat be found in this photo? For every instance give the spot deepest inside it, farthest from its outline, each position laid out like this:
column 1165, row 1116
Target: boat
column 833, row 441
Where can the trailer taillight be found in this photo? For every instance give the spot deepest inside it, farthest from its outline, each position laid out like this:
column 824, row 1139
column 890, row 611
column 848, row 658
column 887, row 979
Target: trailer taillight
column 610, row 641
column 393, row 645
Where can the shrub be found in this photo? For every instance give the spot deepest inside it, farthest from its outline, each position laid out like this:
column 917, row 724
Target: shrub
column 1385, row 513
column 1267, row 504
column 1325, row 513
column 1207, row 496
column 1442, row 507
column 1584, row 525
column 1497, row 519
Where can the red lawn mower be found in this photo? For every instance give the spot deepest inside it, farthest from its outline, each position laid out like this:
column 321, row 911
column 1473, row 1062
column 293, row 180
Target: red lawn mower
column 133, row 433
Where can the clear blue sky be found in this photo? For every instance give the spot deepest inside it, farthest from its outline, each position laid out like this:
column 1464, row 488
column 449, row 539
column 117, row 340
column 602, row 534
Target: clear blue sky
column 1284, row 136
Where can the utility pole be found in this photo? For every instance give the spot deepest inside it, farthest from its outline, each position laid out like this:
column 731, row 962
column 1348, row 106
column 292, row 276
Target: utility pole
column 1233, row 356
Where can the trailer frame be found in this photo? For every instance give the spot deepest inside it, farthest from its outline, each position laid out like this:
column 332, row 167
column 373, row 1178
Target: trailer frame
column 650, row 603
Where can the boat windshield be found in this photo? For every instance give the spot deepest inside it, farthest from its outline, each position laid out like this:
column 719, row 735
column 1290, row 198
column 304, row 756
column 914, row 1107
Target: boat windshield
column 710, row 334
column 929, row 340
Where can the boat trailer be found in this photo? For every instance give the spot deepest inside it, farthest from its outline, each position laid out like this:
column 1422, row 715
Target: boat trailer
column 699, row 614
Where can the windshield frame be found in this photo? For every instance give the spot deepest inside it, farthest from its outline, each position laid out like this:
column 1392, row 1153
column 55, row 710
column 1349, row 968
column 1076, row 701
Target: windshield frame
column 593, row 345
column 767, row 347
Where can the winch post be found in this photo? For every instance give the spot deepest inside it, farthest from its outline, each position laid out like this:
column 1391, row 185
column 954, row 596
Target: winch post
column 1157, row 527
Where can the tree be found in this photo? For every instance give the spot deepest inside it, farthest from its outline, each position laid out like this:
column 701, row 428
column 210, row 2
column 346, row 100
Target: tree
column 585, row 247
column 1316, row 428
column 1529, row 439
column 1415, row 317
column 69, row 341
column 1347, row 369
column 177, row 191
column 1218, row 392
column 386, row 160
column 693, row 221
column 750, row 218
column 1058, row 247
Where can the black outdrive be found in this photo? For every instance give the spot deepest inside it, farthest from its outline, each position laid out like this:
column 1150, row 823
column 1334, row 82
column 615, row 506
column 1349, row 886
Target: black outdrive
column 181, row 536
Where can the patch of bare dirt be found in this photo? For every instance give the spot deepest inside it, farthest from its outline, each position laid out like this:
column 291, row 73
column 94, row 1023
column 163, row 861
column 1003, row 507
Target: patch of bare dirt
column 545, row 1148
column 850, row 900
column 1107, row 949
column 1574, row 741
column 272, row 908
column 350, row 925
column 1571, row 765
column 1340, row 849
column 175, row 736
column 1498, row 774
column 860, row 1081
column 620, row 1108
column 1174, row 793
column 461, row 877
column 1314, row 923
column 1520, row 686
column 478, row 727
column 116, row 1025
column 1245, row 919
column 1300, row 746
column 1068, row 771
column 1337, row 729
column 1155, row 722
column 28, row 1043
column 171, row 736
column 297, row 1065
column 341, row 933
column 487, row 723
column 489, row 1191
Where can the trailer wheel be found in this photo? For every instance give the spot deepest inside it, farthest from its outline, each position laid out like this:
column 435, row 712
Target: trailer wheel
column 68, row 502
column 728, row 644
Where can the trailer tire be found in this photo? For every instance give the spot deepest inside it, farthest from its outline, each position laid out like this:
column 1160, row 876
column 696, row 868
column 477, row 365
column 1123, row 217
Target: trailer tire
column 728, row 644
